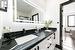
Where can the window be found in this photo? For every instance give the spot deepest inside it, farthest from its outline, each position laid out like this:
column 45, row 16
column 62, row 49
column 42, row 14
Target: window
column 71, row 21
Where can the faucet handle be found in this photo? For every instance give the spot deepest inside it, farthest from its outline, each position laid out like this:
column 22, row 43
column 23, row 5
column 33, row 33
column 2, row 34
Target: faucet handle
column 24, row 31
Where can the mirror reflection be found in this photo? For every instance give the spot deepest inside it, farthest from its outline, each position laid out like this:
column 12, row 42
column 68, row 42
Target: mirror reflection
column 26, row 12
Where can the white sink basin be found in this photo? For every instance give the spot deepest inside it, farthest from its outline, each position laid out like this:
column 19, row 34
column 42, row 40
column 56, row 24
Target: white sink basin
column 48, row 30
column 25, row 39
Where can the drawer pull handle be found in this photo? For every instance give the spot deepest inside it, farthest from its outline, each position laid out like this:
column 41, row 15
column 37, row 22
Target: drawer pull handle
column 49, row 45
column 49, row 38
column 54, row 35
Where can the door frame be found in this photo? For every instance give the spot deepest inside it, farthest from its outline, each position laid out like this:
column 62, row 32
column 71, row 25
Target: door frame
column 61, row 20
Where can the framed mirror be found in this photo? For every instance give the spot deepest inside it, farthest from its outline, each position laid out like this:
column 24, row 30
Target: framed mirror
column 25, row 12
column 3, row 5
column 71, row 21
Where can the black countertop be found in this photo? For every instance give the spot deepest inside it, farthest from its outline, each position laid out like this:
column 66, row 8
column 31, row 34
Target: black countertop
column 30, row 44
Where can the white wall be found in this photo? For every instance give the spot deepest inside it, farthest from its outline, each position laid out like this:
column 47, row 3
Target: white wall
column 53, row 13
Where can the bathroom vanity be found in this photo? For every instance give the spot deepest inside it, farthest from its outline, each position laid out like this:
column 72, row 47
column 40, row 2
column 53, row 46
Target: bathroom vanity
column 43, row 40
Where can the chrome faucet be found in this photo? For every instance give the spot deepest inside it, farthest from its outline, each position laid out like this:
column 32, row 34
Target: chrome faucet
column 37, row 29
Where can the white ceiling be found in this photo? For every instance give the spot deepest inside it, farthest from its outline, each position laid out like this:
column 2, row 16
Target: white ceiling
column 24, row 7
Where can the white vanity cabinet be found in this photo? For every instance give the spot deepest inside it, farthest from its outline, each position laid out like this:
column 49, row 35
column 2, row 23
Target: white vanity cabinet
column 42, row 45
column 50, row 42
column 46, row 44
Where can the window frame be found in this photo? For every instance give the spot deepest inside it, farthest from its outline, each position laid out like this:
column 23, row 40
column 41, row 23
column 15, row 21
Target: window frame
column 68, row 21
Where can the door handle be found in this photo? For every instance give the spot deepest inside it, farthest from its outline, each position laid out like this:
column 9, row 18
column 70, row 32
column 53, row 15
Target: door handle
column 54, row 35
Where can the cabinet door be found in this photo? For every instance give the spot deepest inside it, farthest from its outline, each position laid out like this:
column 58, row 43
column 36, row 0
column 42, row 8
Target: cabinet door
column 42, row 45
column 49, row 42
column 53, row 43
column 45, row 43
column 52, row 46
